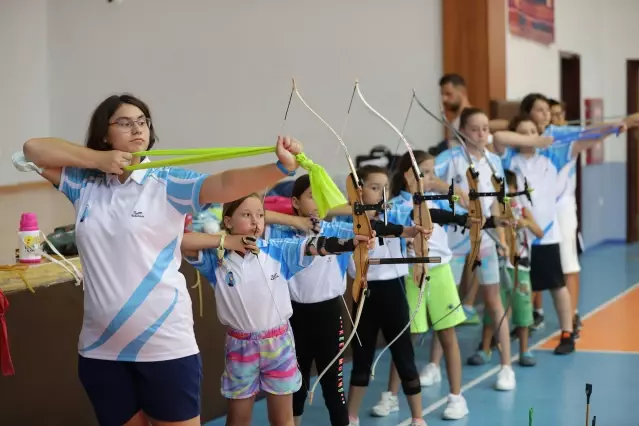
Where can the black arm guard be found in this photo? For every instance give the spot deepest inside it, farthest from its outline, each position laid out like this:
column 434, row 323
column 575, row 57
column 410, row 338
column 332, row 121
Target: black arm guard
column 490, row 223
column 330, row 245
column 387, row 230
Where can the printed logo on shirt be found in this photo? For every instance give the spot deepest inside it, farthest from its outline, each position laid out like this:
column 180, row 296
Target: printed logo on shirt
column 458, row 178
column 137, row 214
column 274, row 276
column 230, row 279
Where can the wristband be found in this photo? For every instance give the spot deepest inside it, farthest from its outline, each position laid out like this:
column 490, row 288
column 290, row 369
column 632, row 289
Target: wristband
column 220, row 249
column 284, row 169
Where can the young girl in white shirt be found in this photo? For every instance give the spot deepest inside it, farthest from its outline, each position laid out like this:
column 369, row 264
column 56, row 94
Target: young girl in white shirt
column 315, row 293
column 250, row 277
column 540, row 168
column 441, row 307
column 452, row 165
column 537, row 108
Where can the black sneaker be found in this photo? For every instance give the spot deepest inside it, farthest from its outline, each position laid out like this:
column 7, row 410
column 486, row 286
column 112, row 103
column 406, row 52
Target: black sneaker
column 538, row 321
column 566, row 343
column 576, row 325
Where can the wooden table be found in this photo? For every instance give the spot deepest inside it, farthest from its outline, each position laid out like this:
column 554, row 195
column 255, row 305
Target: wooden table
column 43, row 330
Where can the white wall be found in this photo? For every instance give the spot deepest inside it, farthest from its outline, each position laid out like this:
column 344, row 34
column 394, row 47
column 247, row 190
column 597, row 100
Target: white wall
column 24, row 95
column 604, row 34
column 218, row 73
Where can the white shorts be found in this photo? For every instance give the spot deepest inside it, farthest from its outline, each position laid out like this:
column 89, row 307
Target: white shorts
column 488, row 271
column 567, row 218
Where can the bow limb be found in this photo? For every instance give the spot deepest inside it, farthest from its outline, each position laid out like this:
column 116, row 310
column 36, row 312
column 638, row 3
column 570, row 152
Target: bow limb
column 474, row 205
column 361, row 226
column 422, row 218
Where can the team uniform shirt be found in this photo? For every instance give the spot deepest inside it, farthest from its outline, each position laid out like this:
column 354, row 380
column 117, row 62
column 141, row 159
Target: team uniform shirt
column 567, row 176
column 136, row 303
column 251, row 291
column 391, row 248
column 541, row 170
column 438, row 242
column 325, row 277
column 452, row 165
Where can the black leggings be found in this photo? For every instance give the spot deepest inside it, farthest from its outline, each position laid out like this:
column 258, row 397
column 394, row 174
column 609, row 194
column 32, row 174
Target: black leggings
column 319, row 336
column 385, row 308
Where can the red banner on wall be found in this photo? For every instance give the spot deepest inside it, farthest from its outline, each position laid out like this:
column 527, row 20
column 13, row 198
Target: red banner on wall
column 532, row 19
column 594, row 115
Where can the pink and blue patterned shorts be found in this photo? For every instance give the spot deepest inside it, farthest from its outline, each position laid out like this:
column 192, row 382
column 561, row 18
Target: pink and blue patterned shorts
column 264, row 360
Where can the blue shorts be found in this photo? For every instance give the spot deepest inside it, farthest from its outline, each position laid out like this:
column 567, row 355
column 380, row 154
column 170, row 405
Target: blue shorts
column 487, row 273
column 167, row 391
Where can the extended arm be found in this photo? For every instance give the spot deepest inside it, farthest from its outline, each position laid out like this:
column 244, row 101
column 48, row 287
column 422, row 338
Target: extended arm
column 232, row 184
column 528, row 221
column 54, row 154
column 504, row 139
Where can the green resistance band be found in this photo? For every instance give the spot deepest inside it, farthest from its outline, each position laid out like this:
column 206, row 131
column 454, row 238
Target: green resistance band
column 325, row 193
column 196, row 155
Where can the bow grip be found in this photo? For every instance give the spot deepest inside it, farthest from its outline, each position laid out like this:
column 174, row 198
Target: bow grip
column 527, row 191
column 451, row 195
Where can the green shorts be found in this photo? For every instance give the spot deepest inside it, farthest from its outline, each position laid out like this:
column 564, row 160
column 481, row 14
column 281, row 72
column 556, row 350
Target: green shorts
column 440, row 296
column 521, row 308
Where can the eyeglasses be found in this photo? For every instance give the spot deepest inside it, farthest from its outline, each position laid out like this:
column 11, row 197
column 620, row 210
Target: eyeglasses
column 126, row 124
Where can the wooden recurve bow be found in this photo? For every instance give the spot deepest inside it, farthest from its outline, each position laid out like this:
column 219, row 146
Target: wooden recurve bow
column 361, row 226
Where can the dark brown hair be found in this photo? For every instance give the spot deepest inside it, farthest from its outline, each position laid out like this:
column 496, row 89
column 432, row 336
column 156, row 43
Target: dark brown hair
column 527, row 104
column 516, row 121
column 99, row 124
column 454, row 79
column 301, row 184
column 467, row 114
column 229, row 208
column 511, row 178
column 398, row 182
column 365, row 171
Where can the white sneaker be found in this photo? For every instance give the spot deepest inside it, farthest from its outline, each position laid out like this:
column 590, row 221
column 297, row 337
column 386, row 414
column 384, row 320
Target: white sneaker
column 386, row 405
column 430, row 375
column 353, row 422
column 456, row 408
column 505, row 379
column 420, row 422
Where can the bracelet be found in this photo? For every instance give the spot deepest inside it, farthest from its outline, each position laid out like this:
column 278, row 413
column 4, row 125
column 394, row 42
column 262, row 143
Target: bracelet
column 284, row 169
column 220, row 249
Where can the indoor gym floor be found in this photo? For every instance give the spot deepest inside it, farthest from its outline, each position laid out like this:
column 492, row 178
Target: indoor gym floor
column 607, row 357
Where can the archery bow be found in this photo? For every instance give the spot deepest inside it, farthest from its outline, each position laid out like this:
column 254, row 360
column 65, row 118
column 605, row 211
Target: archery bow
column 361, row 226
column 474, row 205
column 499, row 184
column 474, row 208
column 418, row 199
column 503, row 198
column 422, row 218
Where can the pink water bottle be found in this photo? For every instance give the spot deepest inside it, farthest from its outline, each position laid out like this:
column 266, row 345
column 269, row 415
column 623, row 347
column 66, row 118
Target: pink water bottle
column 29, row 239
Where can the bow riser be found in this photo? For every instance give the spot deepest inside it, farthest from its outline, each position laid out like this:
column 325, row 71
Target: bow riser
column 361, row 226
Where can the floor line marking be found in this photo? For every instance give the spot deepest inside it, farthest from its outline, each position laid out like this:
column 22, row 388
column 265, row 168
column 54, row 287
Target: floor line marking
column 434, row 406
column 598, row 351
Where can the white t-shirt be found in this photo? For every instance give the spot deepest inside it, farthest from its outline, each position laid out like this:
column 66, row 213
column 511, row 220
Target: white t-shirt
column 325, row 277
column 541, row 170
column 392, row 248
column 251, row 291
column 438, row 242
column 567, row 176
column 136, row 303
column 452, row 164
